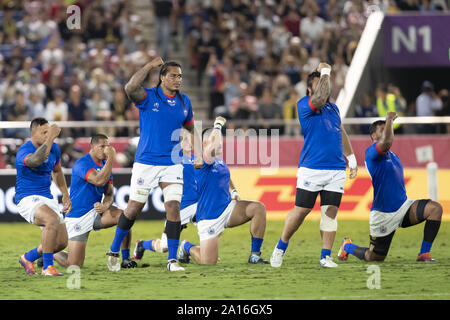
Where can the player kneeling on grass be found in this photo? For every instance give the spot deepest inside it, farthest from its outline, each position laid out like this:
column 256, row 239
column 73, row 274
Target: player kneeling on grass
column 391, row 208
column 38, row 162
column 216, row 210
column 91, row 179
column 188, row 205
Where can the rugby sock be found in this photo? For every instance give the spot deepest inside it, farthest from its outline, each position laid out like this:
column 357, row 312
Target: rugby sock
column 324, row 253
column 148, row 245
column 125, row 254
column 32, row 255
column 431, row 230
column 282, row 245
column 256, row 244
column 188, row 246
column 359, row 252
column 349, row 247
column 353, row 249
column 426, row 247
column 173, row 238
column 48, row 259
column 122, row 229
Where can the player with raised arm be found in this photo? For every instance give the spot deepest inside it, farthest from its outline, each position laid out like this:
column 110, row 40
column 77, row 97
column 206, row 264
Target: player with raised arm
column 321, row 167
column 163, row 111
column 38, row 161
column 188, row 205
column 391, row 207
column 91, row 180
column 216, row 210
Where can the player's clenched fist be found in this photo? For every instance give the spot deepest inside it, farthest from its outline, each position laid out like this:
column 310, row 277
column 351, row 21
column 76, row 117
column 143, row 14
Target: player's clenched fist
column 157, row 62
column 323, row 65
column 54, row 131
column 391, row 115
column 110, row 152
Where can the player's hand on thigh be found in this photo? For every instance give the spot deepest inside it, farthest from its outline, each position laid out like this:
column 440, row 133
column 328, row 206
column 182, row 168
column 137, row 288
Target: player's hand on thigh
column 100, row 207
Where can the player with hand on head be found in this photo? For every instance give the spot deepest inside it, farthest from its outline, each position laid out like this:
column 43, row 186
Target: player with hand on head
column 92, row 180
column 321, row 167
column 391, row 207
column 38, row 161
column 216, row 209
column 163, row 111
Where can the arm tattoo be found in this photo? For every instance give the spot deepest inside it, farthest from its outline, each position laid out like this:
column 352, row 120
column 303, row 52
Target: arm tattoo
column 133, row 88
column 320, row 96
column 38, row 157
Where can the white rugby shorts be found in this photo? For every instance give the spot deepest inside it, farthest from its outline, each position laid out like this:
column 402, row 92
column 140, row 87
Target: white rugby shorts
column 384, row 223
column 27, row 207
column 81, row 225
column 317, row 180
column 208, row 229
column 146, row 177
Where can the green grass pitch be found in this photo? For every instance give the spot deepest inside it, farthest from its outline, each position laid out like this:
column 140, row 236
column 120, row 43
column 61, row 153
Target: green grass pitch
column 300, row 276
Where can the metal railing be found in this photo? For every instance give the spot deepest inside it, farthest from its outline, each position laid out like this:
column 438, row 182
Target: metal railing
column 236, row 122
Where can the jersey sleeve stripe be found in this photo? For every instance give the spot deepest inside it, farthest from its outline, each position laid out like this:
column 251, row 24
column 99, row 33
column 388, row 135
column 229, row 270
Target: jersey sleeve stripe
column 59, row 162
column 87, row 173
column 142, row 99
column 110, row 181
column 381, row 153
column 313, row 108
column 26, row 159
column 189, row 123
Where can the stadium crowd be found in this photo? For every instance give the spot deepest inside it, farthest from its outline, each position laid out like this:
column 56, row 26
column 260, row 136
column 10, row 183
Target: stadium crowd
column 254, row 55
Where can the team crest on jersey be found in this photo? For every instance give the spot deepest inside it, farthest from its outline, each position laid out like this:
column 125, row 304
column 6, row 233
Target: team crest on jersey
column 171, row 102
column 185, row 112
column 155, row 107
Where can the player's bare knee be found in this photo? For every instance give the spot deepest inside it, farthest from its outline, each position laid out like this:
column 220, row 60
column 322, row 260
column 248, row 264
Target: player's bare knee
column 435, row 210
column 259, row 209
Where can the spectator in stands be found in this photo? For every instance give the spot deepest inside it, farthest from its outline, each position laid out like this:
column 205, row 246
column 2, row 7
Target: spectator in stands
column 245, row 106
column 312, row 27
column 216, row 72
column 267, row 18
column 268, row 109
column 292, row 20
column 119, row 107
column 78, row 110
column 386, row 102
column 57, row 110
column 207, row 45
column 99, row 108
column 18, row 111
column 14, row 63
column 366, row 109
column 445, row 110
column 290, row 114
column 37, row 108
column 163, row 10
column 232, row 89
column 408, row 5
column 427, row 104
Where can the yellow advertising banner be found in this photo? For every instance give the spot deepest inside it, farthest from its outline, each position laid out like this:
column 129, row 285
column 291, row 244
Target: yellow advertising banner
column 277, row 188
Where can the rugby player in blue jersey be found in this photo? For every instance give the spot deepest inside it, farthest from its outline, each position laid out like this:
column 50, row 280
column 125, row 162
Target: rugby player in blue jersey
column 188, row 205
column 391, row 207
column 321, row 167
column 216, row 210
column 38, row 161
column 163, row 111
column 91, row 180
